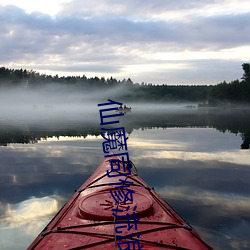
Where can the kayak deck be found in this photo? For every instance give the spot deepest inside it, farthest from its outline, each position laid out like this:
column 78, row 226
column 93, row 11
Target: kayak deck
column 92, row 219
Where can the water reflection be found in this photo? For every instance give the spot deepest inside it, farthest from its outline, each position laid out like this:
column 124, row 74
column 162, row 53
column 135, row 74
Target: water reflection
column 20, row 222
column 29, row 210
column 203, row 177
column 233, row 121
column 193, row 161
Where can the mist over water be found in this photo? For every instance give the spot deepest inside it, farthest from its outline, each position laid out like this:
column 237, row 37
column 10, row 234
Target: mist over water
column 44, row 103
column 60, row 102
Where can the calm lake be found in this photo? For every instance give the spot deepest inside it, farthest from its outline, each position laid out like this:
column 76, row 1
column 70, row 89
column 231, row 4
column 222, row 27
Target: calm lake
column 198, row 160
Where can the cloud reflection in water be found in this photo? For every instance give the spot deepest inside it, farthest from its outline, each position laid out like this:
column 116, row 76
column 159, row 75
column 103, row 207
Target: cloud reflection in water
column 201, row 174
column 198, row 171
column 25, row 220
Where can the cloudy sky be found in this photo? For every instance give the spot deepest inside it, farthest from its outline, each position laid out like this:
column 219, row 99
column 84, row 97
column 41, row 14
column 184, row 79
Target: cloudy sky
column 157, row 41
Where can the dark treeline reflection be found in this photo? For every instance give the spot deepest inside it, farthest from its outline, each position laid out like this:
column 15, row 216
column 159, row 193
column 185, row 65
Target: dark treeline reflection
column 234, row 121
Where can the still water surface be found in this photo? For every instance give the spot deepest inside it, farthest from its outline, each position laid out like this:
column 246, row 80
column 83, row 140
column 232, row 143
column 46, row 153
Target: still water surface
column 193, row 160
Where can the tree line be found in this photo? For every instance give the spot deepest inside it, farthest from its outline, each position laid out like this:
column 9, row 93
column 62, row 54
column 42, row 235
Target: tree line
column 236, row 91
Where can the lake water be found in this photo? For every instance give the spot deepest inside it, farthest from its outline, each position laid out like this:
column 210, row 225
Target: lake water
column 197, row 160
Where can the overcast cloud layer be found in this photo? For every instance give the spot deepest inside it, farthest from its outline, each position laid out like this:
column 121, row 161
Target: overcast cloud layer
column 160, row 41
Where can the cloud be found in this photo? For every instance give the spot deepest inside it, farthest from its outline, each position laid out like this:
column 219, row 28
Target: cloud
column 26, row 220
column 122, row 30
column 229, row 204
column 29, row 210
column 147, row 9
column 91, row 37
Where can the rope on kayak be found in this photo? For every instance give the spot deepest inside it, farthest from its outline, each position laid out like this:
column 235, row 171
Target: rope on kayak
column 94, row 181
column 108, row 238
column 172, row 212
column 115, row 245
column 90, row 185
column 132, row 165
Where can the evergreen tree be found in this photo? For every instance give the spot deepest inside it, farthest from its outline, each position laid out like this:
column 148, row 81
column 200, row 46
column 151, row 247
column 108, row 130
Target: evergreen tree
column 246, row 69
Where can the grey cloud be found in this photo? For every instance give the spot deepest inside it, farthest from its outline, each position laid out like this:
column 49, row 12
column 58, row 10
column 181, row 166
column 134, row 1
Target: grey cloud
column 98, row 40
column 208, row 71
column 85, row 68
column 134, row 8
column 217, row 31
column 220, row 31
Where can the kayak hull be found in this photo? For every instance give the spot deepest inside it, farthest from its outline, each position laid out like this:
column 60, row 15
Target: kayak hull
column 92, row 219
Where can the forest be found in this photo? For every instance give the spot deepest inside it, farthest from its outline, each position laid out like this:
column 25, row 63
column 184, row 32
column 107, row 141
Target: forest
column 224, row 93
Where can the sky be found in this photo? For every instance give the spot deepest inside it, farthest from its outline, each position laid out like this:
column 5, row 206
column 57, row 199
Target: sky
column 153, row 41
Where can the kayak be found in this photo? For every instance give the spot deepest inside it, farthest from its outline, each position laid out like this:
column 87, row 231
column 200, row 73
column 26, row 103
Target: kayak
column 116, row 209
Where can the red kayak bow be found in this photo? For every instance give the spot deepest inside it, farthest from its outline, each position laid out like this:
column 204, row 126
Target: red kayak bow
column 117, row 211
